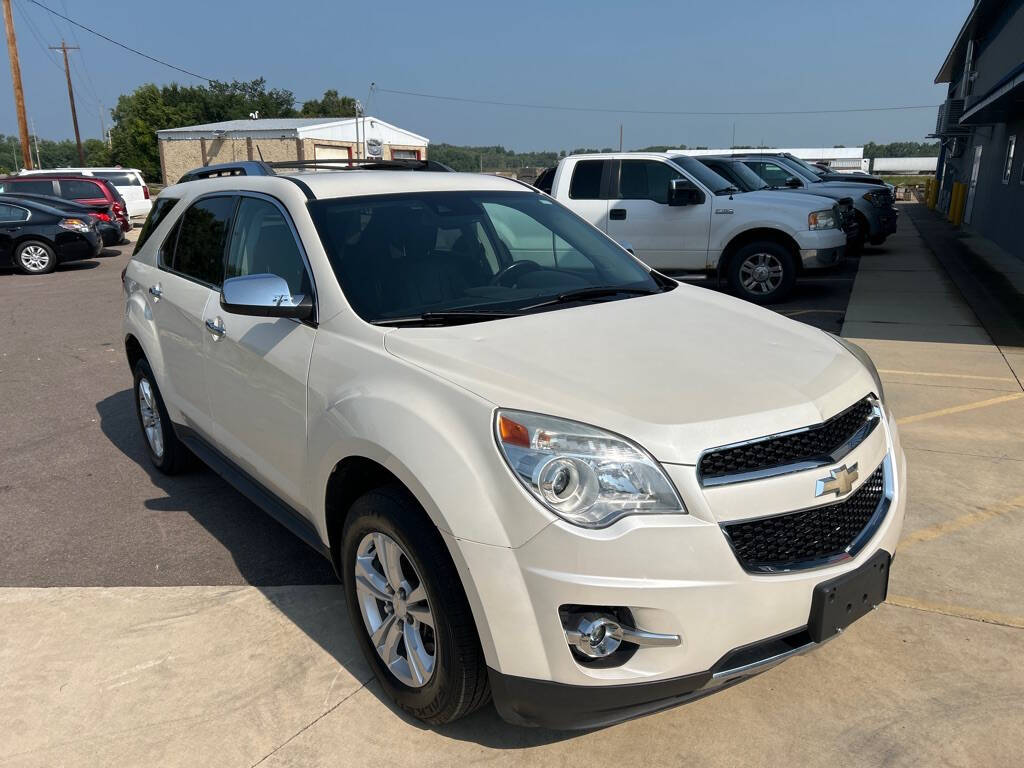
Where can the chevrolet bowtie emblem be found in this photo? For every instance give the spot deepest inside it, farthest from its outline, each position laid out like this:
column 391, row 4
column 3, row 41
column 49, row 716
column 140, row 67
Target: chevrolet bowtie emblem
column 840, row 483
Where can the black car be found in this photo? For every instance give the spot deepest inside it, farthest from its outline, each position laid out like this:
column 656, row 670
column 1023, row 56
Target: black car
column 103, row 215
column 36, row 237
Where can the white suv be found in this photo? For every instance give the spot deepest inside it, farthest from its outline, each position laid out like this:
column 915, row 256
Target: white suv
column 542, row 471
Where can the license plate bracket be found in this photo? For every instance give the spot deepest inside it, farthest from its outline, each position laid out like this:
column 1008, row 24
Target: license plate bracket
column 839, row 602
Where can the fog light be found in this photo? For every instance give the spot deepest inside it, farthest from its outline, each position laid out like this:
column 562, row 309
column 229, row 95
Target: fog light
column 595, row 636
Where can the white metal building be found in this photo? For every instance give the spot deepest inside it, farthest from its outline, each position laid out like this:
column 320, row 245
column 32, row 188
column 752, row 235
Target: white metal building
column 306, row 138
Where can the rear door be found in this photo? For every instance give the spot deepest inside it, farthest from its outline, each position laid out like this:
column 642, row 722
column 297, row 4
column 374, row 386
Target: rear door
column 588, row 187
column 256, row 367
column 191, row 269
column 664, row 237
column 13, row 219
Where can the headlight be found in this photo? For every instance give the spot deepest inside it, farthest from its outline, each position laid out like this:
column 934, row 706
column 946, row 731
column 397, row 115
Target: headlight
column 583, row 474
column 866, row 360
column 75, row 225
column 877, row 197
column 822, row 220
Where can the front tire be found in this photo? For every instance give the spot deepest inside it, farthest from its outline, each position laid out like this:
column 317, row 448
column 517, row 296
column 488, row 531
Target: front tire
column 35, row 257
column 762, row 272
column 166, row 451
column 408, row 609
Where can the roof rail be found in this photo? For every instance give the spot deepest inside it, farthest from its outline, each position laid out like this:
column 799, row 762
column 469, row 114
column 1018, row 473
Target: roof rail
column 367, row 163
column 244, row 168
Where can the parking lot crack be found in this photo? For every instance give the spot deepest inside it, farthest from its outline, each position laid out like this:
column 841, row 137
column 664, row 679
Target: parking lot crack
column 307, row 726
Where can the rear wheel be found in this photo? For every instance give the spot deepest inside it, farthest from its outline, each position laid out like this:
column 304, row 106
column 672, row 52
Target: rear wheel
column 166, row 451
column 408, row 609
column 762, row 272
column 35, row 257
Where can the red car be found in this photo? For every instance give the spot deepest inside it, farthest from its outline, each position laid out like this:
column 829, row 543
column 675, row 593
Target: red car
column 81, row 189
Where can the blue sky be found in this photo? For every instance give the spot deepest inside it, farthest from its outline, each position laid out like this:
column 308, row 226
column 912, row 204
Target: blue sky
column 706, row 56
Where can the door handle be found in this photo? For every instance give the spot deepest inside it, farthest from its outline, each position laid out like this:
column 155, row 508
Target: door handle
column 156, row 291
column 216, row 327
column 617, row 214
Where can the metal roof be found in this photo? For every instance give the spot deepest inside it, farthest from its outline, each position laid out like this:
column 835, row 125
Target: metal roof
column 262, row 124
column 276, row 127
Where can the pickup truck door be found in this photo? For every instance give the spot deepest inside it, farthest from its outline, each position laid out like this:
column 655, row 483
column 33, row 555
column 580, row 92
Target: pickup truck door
column 257, row 367
column 587, row 187
column 664, row 237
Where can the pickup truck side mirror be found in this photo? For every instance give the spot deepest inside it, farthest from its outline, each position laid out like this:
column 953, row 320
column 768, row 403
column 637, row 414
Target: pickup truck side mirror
column 682, row 192
column 794, row 182
column 263, row 296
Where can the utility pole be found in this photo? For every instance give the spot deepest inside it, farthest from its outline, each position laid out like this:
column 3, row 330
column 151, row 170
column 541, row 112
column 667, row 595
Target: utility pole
column 19, row 94
column 64, row 48
column 35, row 138
column 620, row 137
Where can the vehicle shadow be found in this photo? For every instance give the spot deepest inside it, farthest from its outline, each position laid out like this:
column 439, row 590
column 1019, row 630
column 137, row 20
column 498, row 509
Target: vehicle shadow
column 299, row 582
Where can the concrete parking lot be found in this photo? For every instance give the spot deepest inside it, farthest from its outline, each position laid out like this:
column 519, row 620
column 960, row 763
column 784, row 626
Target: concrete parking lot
column 147, row 620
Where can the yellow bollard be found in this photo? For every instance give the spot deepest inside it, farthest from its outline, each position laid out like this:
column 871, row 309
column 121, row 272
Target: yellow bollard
column 961, row 203
column 953, row 192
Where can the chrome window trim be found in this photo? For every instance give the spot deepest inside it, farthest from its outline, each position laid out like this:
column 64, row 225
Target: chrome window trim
column 814, row 462
column 852, row 549
column 28, row 214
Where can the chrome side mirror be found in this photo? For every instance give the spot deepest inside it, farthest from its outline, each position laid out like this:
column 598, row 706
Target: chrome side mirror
column 263, row 296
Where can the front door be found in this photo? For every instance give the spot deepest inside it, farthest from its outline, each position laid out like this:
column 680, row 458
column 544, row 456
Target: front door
column 664, row 237
column 256, row 367
column 975, row 170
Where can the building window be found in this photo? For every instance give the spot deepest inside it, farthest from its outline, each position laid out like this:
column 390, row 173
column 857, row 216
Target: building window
column 405, row 154
column 1008, row 168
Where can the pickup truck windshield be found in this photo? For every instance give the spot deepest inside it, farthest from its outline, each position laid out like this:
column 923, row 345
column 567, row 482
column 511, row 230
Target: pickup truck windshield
column 438, row 257
column 702, row 173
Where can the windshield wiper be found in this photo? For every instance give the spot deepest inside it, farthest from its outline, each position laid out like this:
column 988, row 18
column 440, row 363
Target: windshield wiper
column 585, row 294
column 453, row 317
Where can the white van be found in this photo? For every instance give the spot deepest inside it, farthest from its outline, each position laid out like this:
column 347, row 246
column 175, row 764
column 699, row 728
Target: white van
column 127, row 181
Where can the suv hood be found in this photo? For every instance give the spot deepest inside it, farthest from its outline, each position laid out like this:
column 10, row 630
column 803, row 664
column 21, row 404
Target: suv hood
column 677, row 372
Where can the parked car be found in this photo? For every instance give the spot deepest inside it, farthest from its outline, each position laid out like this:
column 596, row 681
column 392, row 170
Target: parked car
column 103, row 215
column 736, row 172
column 81, row 189
column 830, row 174
column 875, row 205
column 551, row 474
column 680, row 217
column 128, row 182
column 35, row 238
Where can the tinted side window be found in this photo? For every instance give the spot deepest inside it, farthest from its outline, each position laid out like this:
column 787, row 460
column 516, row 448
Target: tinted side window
column 72, row 189
column 586, row 180
column 262, row 244
column 199, row 253
column 772, row 174
column 29, row 186
column 119, row 178
column 161, row 207
column 12, row 213
column 646, row 180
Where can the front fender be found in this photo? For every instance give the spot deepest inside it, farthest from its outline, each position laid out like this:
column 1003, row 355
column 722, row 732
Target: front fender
column 434, row 436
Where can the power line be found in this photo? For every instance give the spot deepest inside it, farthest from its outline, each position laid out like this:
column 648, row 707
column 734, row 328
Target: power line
column 616, row 110
column 120, row 44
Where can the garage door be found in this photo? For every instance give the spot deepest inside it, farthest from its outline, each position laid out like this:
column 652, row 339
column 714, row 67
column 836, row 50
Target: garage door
column 326, row 152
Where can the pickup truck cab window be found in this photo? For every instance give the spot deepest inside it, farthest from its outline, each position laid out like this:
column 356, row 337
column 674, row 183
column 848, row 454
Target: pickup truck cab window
column 586, row 180
column 646, row 180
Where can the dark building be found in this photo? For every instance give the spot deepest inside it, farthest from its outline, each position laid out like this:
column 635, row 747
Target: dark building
column 981, row 123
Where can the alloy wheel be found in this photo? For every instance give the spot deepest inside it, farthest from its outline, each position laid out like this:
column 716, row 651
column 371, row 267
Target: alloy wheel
column 761, row 273
column 151, row 418
column 34, row 258
column 393, row 602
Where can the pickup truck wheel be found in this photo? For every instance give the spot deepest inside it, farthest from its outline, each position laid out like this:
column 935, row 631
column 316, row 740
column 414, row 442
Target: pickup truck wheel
column 167, row 453
column 762, row 272
column 408, row 609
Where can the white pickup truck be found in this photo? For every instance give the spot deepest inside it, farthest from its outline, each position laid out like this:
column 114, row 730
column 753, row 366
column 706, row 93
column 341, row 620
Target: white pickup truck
column 681, row 217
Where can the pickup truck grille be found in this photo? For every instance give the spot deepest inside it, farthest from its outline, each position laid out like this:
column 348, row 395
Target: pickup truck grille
column 811, row 537
column 812, row 446
column 848, row 217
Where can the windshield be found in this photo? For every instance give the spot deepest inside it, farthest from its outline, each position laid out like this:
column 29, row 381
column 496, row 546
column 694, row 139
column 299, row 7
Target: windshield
column 739, row 174
column 797, row 168
column 796, row 161
column 702, row 173
column 400, row 257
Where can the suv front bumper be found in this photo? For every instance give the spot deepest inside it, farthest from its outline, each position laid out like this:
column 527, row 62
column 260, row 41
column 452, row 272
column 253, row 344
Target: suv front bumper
column 677, row 575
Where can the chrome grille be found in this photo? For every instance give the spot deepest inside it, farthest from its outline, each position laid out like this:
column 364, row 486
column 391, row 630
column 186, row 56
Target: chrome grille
column 822, row 444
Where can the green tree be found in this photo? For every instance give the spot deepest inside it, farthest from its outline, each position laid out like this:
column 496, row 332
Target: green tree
column 150, row 108
column 902, row 149
column 331, row 105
